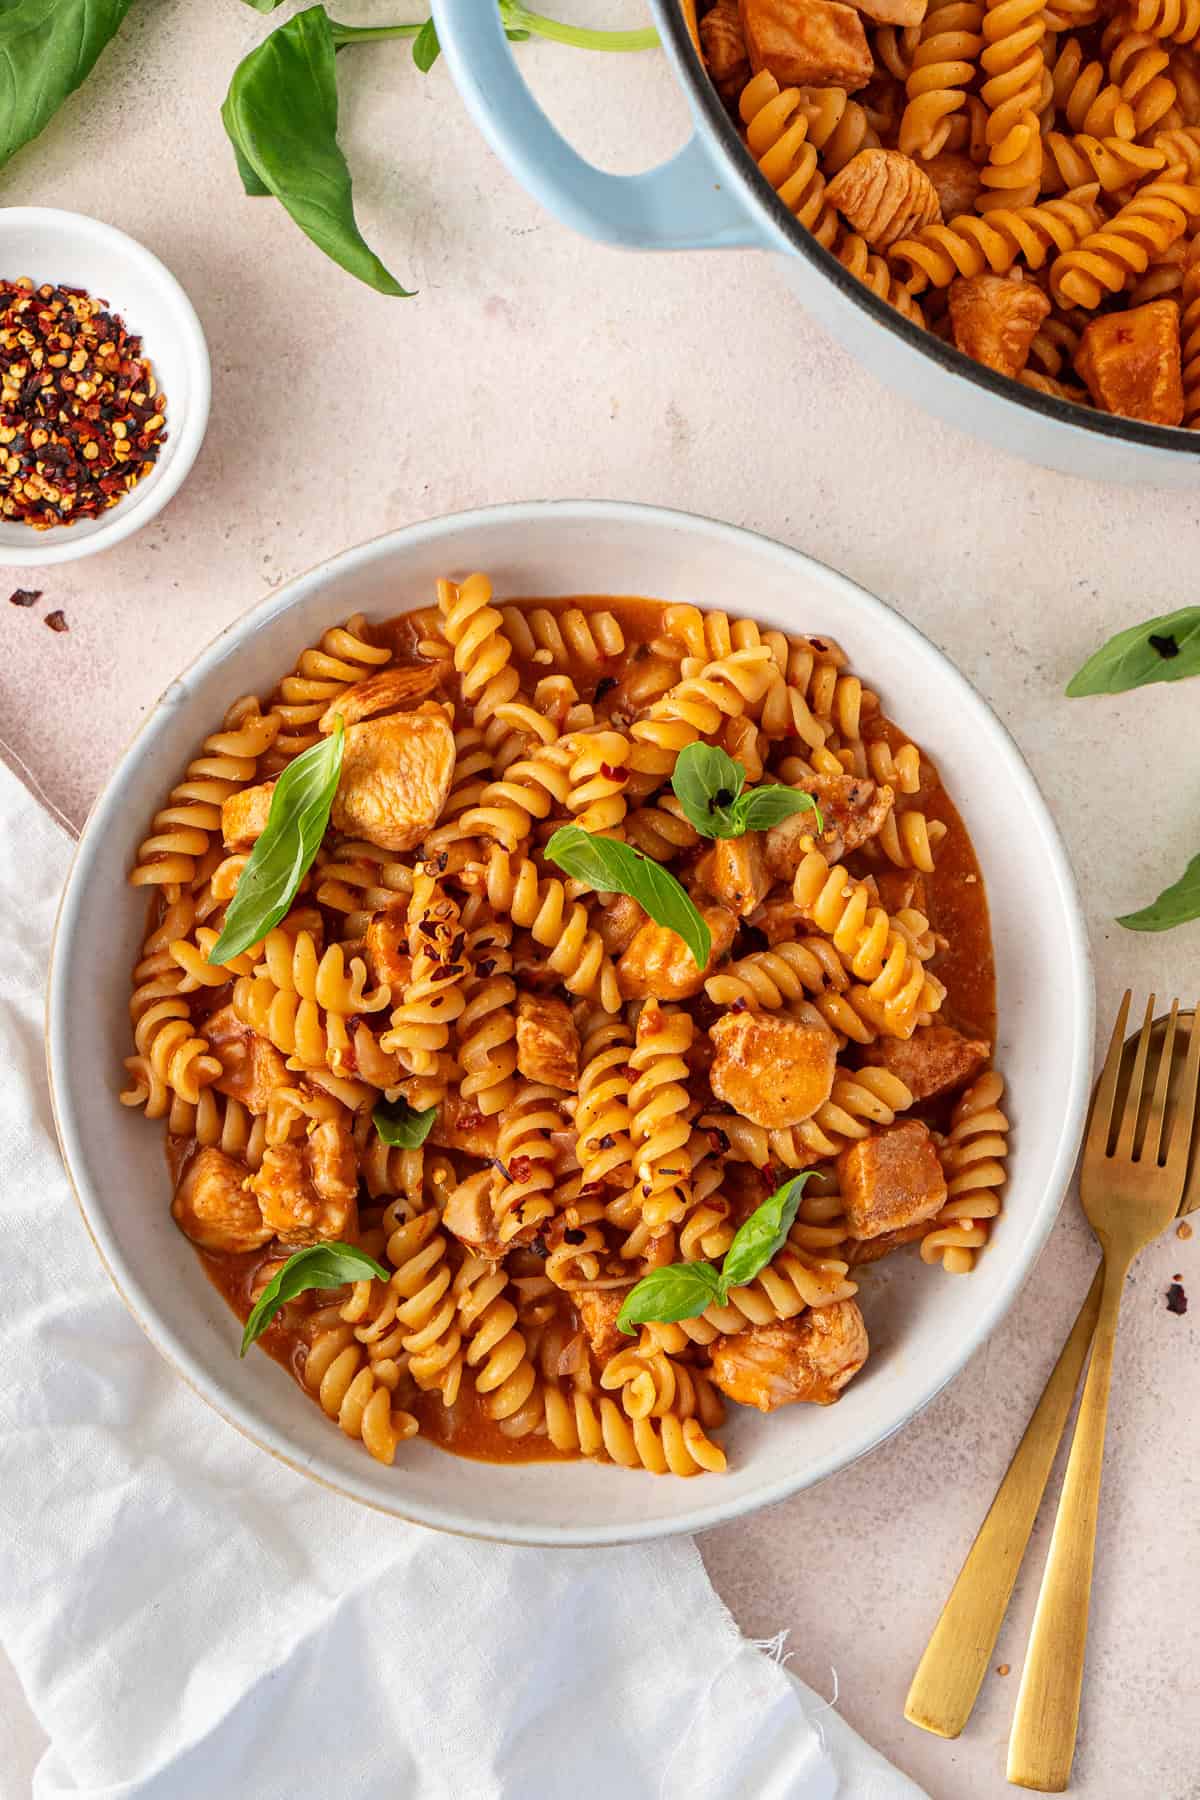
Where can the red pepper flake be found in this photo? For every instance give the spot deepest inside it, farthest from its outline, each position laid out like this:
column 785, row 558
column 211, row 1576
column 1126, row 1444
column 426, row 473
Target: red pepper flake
column 81, row 415
column 25, row 597
column 469, row 1121
column 573, row 1236
column 57, row 621
column 1176, row 1299
column 522, row 1168
column 610, row 773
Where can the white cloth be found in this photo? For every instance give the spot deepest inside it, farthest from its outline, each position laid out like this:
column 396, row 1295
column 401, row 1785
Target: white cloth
column 191, row 1619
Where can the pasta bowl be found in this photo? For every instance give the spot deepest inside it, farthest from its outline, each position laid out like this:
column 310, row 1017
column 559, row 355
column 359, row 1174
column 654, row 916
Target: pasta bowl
column 923, row 1325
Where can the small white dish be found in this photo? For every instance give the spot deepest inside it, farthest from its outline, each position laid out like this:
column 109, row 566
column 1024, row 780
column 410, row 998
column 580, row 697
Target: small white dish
column 923, row 1324
column 70, row 249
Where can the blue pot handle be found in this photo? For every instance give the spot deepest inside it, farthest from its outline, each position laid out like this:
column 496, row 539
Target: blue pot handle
column 681, row 205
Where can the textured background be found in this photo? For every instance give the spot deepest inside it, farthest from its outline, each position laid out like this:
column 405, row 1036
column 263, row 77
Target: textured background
column 535, row 364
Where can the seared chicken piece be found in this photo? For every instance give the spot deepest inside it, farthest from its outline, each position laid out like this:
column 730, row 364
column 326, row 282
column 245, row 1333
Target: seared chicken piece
column 891, row 1180
column 936, row 1059
column 1131, row 362
column 733, row 872
column 396, row 774
column 386, row 947
column 213, row 1207
column 996, row 320
column 461, row 1126
column 807, row 43
column 308, row 1192
column 771, row 1068
column 598, row 1309
column 809, row 1358
column 658, row 963
column 244, row 815
column 468, row 1214
column 384, row 692
column 547, row 1041
column 619, row 922
column 253, row 1069
column 853, row 809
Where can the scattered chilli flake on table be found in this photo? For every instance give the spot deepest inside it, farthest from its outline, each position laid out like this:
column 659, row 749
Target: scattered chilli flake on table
column 25, row 597
column 81, row 417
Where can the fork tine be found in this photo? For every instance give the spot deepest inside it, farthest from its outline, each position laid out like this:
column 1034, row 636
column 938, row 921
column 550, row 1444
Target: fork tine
column 1156, row 1120
column 1180, row 1145
column 1106, row 1087
column 1137, row 1082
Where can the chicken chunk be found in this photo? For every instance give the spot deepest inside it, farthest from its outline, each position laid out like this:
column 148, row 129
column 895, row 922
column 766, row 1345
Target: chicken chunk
column 891, row 1179
column 996, row 320
column 772, row 1069
column 1131, row 363
column 384, row 692
column 547, row 1041
column 724, row 49
column 396, row 774
column 619, row 922
column 809, row 1358
column 936, row 1059
column 460, row 1126
column 386, row 947
column 957, row 181
column 779, row 920
column 468, row 1214
column 213, row 1207
column 659, row 963
column 807, row 43
column 734, row 873
column 252, row 1068
column 858, row 1251
column 308, row 1192
column 598, row 1309
column 853, row 810
column 244, row 815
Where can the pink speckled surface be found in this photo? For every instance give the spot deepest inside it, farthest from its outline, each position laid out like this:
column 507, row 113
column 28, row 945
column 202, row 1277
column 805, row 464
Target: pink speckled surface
column 535, row 364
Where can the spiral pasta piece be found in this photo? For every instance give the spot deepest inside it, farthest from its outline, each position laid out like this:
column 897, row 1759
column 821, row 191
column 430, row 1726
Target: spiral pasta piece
column 659, row 1103
column 344, row 657
column 1146, row 226
column 968, row 245
column 771, row 979
column 496, row 1351
column 942, row 68
column 433, row 999
column 661, row 829
column 357, row 1395
column 602, row 1113
column 855, row 254
column 1087, row 100
column 973, row 1156
column 697, row 707
column 577, row 1421
column 529, row 789
column 597, row 774
column 172, row 1058
column 776, row 129
column 576, row 952
column 487, row 1026
column 652, row 1383
column 300, row 999
column 1178, row 20
column 840, row 128
column 1013, row 63
column 570, row 638
column 871, row 945
column 523, row 1181
column 482, row 652
column 185, row 829
column 1139, row 66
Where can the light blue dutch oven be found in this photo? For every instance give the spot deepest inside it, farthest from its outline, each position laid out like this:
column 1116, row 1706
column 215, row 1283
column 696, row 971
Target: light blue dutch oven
column 712, row 197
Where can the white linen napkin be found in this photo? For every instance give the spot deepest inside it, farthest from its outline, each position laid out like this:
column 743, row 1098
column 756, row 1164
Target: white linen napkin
column 190, row 1618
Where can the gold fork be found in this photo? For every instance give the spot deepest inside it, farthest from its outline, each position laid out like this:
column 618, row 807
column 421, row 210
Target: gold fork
column 959, row 1653
column 1131, row 1189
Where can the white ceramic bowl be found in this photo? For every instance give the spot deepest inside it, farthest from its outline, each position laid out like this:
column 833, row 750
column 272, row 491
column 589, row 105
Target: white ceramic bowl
column 66, row 247
column 923, row 1325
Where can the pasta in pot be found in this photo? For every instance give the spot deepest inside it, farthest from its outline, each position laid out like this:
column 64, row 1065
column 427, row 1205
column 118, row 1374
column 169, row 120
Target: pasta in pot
column 1034, row 161
column 592, row 1108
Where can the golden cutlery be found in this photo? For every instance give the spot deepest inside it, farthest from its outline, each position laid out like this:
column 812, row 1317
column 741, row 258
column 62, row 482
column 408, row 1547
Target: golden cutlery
column 950, row 1673
column 1132, row 1180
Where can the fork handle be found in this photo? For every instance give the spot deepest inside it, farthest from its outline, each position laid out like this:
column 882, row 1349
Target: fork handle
column 1042, row 1745
column 951, row 1672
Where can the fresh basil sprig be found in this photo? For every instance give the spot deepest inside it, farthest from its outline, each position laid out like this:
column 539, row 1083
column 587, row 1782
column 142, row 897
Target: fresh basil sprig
column 401, row 1125
column 283, row 854
column 1163, row 649
column 610, row 867
column 281, row 114
column 48, row 48
column 316, row 1266
column 711, row 788
column 683, row 1290
column 1176, row 905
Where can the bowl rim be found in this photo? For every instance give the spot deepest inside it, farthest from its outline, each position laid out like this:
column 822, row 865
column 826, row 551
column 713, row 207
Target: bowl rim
column 154, row 1321
column 48, row 548
column 757, row 190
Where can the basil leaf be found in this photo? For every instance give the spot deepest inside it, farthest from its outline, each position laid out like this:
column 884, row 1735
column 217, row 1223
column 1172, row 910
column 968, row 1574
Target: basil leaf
column 426, row 48
column 679, row 1291
column 612, row 868
column 763, row 807
column 283, row 854
column 706, row 783
column 263, row 6
column 400, row 1125
column 281, row 114
column 1163, row 649
column 48, row 48
column 763, row 1234
column 1174, row 906
column 317, row 1266
column 251, row 185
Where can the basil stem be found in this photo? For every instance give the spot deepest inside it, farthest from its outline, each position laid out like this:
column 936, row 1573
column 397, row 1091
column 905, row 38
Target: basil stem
column 581, row 37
